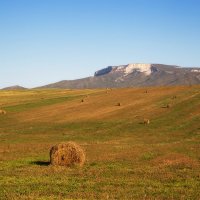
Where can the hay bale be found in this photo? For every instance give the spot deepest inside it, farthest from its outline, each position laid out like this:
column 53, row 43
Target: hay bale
column 146, row 121
column 109, row 89
column 118, row 104
column 82, row 100
column 2, row 112
column 174, row 97
column 67, row 154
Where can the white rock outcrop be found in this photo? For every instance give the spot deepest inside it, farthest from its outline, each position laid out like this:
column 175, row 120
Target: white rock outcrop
column 125, row 70
column 195, row 70
column 144, row 68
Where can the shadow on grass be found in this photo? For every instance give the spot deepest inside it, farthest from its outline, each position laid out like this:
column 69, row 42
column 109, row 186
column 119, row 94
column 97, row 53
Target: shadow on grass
column 41, row 163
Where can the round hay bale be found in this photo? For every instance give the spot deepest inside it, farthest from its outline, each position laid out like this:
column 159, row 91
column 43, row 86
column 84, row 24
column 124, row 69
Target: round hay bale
column 67, row 154
column 174, row 97
column 2, row 112
column 146, row 121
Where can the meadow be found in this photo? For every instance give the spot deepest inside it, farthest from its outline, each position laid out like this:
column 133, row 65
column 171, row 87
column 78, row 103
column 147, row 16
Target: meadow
column 125, row 158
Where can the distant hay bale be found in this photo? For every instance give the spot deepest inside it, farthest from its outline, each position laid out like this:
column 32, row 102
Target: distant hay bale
column 118, row 104
column 109, row 89
column 67, row 154
column 146, row 121
column 2, row 112
column 167, row 106
column 174, row 97
column 82, row 100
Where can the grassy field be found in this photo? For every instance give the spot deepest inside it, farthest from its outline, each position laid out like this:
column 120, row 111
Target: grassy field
column 125, row 158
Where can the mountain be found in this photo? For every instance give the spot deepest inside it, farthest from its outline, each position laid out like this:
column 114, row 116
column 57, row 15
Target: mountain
column 15, row 87
column 134, row 75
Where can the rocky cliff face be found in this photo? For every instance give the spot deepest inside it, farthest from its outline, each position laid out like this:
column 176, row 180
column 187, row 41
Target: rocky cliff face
column 134, row 75
column 125, row 70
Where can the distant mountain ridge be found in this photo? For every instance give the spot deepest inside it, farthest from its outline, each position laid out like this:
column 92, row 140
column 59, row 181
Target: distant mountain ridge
column 136, row 74
column 15, row 87
column 130, row 75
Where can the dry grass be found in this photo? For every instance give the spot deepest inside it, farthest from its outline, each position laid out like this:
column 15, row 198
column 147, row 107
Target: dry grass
column 176, row 160
column 133, row 101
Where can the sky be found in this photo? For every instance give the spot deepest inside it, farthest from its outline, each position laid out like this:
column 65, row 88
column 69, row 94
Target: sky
column 45, row 41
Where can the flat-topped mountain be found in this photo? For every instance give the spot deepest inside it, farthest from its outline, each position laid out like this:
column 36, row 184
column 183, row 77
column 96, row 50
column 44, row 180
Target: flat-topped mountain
column 134, row 75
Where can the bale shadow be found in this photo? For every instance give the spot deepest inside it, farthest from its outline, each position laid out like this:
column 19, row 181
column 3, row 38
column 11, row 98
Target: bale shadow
column 165, row 106
column 41, row 163
column 141, row 123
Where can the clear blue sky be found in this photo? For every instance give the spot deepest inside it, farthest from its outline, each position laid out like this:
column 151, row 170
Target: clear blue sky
column 43, row 41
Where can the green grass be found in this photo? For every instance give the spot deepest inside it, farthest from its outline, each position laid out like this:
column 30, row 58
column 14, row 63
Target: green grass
column 40, row 103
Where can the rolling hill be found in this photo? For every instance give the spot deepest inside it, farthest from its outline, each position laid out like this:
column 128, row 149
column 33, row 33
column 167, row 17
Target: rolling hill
column 15, row 87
